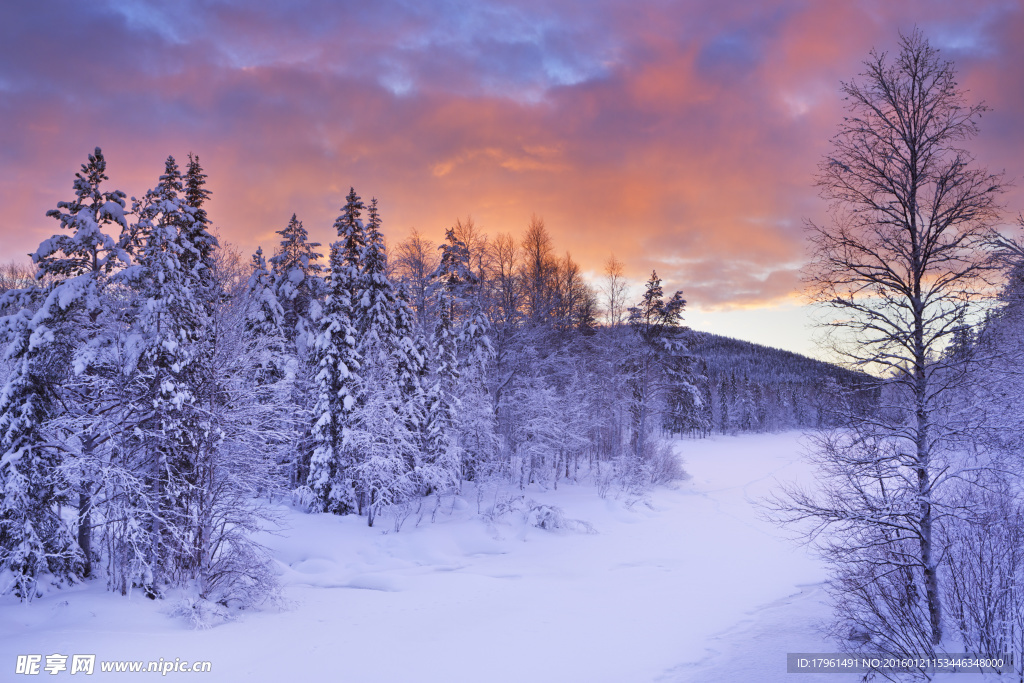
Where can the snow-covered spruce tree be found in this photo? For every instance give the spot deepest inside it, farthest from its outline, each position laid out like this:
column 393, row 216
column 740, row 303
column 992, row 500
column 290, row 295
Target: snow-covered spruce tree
column 726, row 398
column 265, row 319
column 392, row 369
column 439, row 466
column 411, row 369
column 744, row 408
column 56, row 423
column 34, row 541
column 375, row 302
column 179, row 503
column 78, row 268
column 704, row 418
column 384, row 445
column 169, row 439
column 476, row 423
column 653, row 366
column 903, row 267
column 199, row 256
column 476, row 419
column 300, row 289
column 199, row 264
column 337, row 382
column 685, row 402
column 196, row 242
column 88, row 250
column 274, row 366
column 352, row 236
column 297, row 283
column 441, row 463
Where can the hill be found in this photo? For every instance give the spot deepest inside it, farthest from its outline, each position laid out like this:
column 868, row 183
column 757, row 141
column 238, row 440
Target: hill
column 748, row 387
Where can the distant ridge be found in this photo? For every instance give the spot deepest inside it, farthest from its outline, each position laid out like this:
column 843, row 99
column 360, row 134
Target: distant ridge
column 762, row 363
column 748, row 387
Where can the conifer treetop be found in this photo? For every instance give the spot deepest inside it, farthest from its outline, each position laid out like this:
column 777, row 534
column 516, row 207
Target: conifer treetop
column 170, row 185
column 89, row 248
column 351, row 230
column 295, row 250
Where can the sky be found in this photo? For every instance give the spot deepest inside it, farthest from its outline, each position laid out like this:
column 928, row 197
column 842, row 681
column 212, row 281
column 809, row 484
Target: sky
column 680, row 136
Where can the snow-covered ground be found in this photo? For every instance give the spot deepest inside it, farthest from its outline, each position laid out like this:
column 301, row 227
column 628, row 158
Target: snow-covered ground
column 688, row 584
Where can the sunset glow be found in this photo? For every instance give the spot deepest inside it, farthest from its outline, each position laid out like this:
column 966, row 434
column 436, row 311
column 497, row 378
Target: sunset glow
column 681, row 137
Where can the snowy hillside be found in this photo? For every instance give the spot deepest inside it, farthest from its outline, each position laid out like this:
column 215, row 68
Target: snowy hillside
column 687, row 584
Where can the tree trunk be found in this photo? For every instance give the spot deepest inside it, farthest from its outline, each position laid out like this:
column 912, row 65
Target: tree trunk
column 85, row 527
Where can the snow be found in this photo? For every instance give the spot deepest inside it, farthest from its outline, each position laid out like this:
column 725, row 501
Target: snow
column 115, row 211
column 686, row 584
column 72, row 290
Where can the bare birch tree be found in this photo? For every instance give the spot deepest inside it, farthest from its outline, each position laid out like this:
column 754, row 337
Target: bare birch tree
column 614, row 290
column 901, row 267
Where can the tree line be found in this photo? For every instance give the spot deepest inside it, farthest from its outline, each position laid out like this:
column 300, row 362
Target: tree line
column 749, row 388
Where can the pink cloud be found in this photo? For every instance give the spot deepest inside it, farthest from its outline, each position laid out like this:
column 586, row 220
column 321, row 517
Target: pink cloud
column 682, row 137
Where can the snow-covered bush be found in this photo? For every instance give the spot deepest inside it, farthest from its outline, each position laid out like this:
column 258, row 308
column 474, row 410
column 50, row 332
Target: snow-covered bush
column 552, row 518
column 199, row 613
column 665, row 465
column 548, row 517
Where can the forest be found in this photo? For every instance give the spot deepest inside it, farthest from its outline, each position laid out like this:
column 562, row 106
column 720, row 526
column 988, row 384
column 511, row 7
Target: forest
column 160, row 386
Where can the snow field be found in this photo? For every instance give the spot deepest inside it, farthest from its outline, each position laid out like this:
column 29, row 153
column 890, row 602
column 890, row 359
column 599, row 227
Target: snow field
column 686, row 584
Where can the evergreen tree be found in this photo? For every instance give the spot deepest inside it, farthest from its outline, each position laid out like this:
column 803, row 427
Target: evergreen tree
column 88, row 249
column 746, row 409
column 760, row 407
column 197, row 456
column 723, row 405
column 34, row 540
column 412, row 356
column 78, row 267
column 337, row 360
column 376, row 302
column 170, row 325
column 476, row 425
column 196, row 242
column 265, row 319
column 352, row 235
column 704, row 412
column 441, row 461
column 297, row 283
column 299, row 288
column 386, row 446
column 453, row 275
column 682, row 396
column 198, row 263
column 442, row 456
column 655, row 324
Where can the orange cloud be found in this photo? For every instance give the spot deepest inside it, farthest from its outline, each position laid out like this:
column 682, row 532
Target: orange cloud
column 682, row 137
